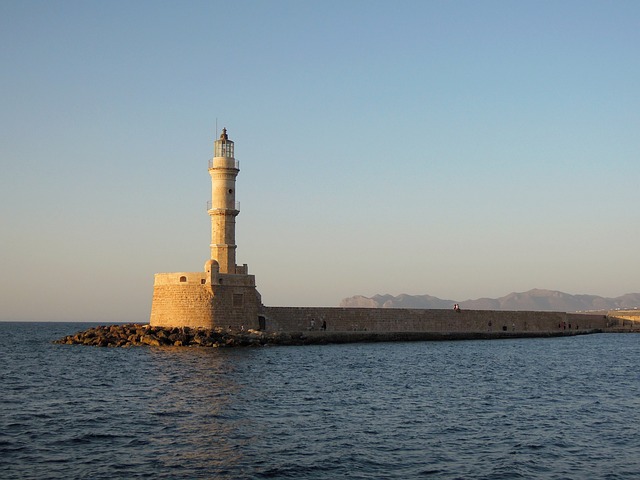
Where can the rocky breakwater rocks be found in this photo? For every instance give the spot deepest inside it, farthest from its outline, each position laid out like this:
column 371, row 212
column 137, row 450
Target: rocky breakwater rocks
column 131, row 335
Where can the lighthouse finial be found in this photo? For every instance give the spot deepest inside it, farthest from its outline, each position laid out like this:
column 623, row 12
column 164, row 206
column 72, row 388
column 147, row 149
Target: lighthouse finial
column 223, row 135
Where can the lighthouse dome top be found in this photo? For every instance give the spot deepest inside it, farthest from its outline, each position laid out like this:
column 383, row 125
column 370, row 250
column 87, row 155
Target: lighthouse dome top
column 223, row 147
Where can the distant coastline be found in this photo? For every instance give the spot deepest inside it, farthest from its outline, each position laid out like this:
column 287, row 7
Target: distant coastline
column 532, row 300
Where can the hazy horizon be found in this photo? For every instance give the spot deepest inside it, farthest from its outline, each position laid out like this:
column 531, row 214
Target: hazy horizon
column 457, row 149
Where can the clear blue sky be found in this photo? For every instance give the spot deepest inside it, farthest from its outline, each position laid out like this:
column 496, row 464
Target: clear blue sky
column 459, row 149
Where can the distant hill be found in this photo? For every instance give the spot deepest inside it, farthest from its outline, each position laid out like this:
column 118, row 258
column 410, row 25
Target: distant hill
column 536, row 299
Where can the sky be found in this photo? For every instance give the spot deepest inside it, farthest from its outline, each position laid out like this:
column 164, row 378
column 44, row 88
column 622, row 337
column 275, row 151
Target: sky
column 460, row 149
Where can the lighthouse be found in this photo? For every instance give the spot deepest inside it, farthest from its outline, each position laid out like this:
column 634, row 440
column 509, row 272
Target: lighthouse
column 224, row 294
column 223, row 168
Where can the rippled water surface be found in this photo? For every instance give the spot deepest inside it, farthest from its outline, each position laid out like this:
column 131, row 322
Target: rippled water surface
column 560, row 408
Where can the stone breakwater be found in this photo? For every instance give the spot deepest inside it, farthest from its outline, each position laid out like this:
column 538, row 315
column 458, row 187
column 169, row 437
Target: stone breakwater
column 132, row 335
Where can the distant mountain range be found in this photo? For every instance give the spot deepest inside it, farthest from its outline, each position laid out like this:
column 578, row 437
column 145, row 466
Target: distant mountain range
column 536, row 299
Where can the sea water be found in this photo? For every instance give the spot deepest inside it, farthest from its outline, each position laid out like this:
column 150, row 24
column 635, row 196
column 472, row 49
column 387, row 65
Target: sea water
column 553, row 408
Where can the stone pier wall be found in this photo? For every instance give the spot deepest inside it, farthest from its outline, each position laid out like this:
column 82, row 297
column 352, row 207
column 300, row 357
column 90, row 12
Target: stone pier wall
column 416, row 320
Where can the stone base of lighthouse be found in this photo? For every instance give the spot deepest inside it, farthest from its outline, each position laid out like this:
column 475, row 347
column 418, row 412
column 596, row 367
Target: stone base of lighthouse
column 206, row 299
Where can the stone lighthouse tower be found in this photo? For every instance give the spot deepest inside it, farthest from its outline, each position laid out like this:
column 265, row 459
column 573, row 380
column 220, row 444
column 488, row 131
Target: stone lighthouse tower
column 223, row 168
column 224, row 295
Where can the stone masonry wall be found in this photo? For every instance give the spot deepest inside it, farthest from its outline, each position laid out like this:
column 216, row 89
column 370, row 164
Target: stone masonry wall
column 188, row 299
column 415, row 320
column 236, row 307
column 184, row 305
